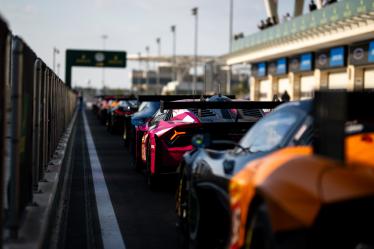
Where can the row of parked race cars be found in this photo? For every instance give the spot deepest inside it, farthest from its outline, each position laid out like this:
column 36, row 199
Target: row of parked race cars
column 257, row 174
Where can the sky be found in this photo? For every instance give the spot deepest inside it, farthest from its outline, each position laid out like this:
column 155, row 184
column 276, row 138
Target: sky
column 130, row 25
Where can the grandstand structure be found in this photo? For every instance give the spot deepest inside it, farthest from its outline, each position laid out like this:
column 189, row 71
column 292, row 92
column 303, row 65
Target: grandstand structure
column 331, row 47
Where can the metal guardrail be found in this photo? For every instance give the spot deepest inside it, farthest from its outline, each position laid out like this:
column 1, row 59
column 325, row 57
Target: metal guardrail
column 334, row 13
column 4, row 64
column 35, row 109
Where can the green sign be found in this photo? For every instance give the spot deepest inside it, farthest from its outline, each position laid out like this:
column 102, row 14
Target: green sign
column 93, row 58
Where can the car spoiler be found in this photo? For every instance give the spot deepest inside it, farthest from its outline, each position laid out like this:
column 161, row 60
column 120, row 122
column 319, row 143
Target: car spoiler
column 166, row 105
column 119, row 97
column 332, row 111
column 175, row 97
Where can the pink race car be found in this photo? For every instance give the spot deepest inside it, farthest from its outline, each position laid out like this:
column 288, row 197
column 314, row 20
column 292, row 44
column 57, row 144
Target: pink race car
column 169, row 133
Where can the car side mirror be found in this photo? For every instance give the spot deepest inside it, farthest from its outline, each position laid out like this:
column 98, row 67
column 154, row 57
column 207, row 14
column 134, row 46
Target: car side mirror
column 200, row 141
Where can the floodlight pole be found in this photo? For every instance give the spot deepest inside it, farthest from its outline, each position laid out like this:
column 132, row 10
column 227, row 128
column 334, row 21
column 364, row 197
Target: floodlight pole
column 104, row 37
column 147, row 67
column 139, row 81
column 55, row 51
column 174, row 30
column 58, row 69
column 158, row 41
column 196, row 14
column 228, row 78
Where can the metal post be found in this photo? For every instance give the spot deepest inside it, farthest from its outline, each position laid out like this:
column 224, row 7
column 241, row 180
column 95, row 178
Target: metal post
column 196, row 14
column 298, row 8
column 158, row 41
column 147, row 67
column 139, row 80
column 55, row 51
column 104, row 37
column 174, row 31
column 5, row 45
column 36, row 122
column 58, row 69
column 231, row 23
column 16, row 97
column 271, row 7
column 140, row 61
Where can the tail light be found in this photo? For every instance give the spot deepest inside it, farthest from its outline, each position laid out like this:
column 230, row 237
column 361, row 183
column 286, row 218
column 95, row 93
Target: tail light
column 120, row 112
column 236, row 190
column 178, row 138
column 242, row 192
column 177, row 133
column 367, row 138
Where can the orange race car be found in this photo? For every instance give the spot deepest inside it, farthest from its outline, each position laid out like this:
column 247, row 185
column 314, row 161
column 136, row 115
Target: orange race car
column 320, row 197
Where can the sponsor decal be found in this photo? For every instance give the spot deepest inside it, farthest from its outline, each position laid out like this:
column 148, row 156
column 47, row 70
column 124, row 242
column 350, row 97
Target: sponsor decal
column 337, row 57
column 322, row 59
column 306, row 62
column 281, row 66
column 99, row 57
column 294, row 64
column 261, row 69
column 371, row 52
column 358, row 54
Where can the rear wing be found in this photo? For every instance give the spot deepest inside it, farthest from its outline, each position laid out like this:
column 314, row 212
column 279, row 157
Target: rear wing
column 175, row 97
column 166, row 105
column 332, row 111
column 119, row 97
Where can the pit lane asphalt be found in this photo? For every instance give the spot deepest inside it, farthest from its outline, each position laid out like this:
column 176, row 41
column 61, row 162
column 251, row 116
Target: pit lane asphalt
column 146, row 218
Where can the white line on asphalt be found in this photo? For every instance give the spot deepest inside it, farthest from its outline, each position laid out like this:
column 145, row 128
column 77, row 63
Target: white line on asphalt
column 110, row 233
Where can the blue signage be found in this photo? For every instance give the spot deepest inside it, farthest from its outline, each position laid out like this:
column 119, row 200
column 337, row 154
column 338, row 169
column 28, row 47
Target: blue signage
column 306, row 62
column 371, row 52
column 281, row 66
column 337, row 57
column 261, row 69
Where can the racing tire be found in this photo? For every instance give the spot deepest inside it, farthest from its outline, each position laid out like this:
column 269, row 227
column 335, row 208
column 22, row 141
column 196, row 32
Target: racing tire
column 182, row 211
column 125, row 137
column 258, row 229
column 137, row 162
column 150, row 178
column 138, row 165
column 181, row 203
column 108, row 125
column 193, row 224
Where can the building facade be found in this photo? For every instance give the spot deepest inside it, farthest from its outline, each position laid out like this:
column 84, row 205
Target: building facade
column 329, row 48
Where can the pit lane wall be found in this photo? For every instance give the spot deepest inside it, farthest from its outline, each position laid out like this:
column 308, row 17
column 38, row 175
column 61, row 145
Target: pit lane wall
column 36, row 121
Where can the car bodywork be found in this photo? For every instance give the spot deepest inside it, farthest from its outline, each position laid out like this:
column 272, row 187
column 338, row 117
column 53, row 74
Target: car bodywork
column 169, row 133
column 313, row 200
column 123, row 108
column 138, row 126
column 104, row 104
column 203, row 205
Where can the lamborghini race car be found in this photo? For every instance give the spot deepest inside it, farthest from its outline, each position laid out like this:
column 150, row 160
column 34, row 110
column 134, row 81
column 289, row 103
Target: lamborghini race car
column 202, row 203
column 134, row 123
column 296, row 199
column 170, row 132
column 135, row 130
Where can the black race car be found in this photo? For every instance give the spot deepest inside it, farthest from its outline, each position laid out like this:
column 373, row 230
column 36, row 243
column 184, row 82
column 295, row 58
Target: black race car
column 202, row 203
column 117, row 115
